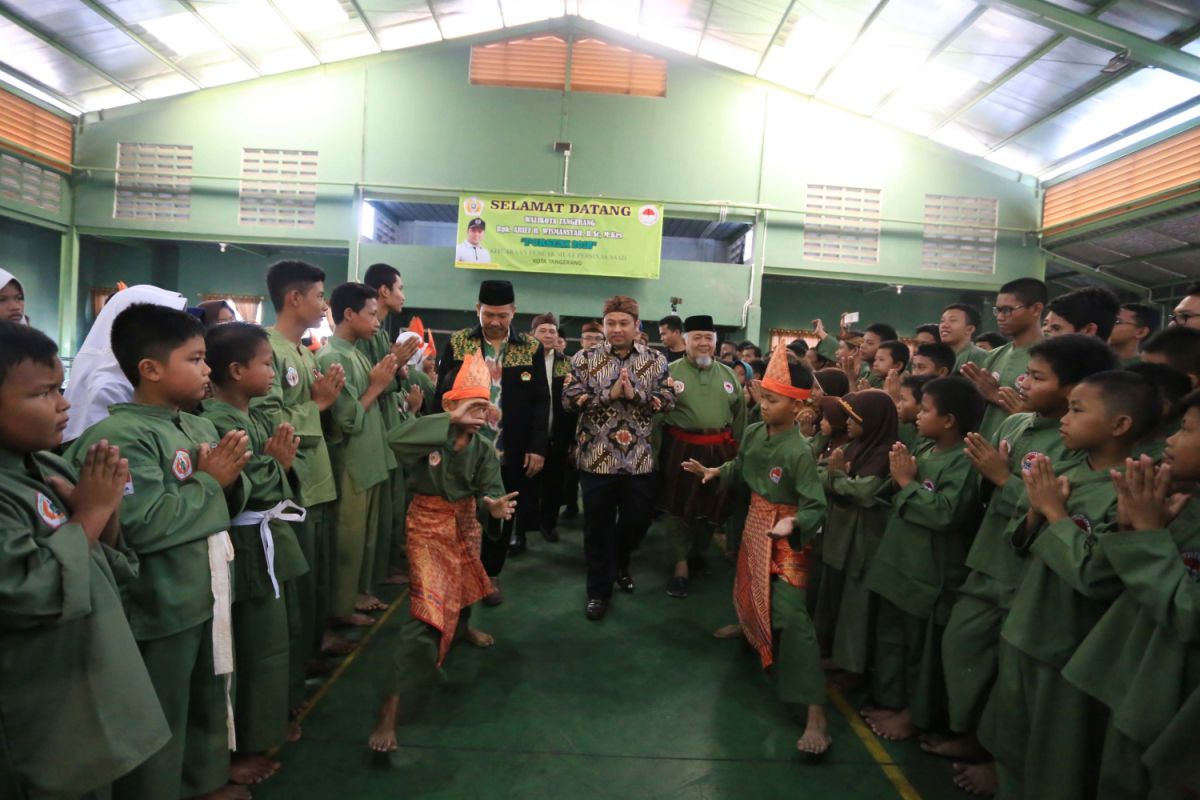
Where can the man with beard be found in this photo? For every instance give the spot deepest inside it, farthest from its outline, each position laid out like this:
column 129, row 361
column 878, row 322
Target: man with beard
column 705, row 424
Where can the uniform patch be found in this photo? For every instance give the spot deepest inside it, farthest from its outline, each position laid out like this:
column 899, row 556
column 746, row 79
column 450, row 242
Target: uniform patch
column 181, row 465
column 291, row 376
column 728, row 387
column 679, row 387
column 1082, row 522
column 929, row 486
column 525, row 376
column 128, row 490
column 50, row 513
column 1027, row 461
column 1191, row 562
column 996, row 376
column 435, row 458
column 776, row 474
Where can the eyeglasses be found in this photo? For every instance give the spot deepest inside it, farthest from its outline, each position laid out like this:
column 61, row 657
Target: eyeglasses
column 1004, row 311
column 1181, row 318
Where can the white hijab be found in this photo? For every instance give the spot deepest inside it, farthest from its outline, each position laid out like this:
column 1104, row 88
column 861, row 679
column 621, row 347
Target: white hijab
column 6, row 278
column 418, row 357
column 96, row 379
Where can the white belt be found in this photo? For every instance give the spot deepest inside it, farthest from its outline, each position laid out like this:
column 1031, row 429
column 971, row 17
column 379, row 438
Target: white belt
column 220, row 555
column 286, row 511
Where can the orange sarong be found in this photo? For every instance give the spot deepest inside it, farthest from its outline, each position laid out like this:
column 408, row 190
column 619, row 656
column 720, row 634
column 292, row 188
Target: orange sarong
column 445, row 573
column 759, row 558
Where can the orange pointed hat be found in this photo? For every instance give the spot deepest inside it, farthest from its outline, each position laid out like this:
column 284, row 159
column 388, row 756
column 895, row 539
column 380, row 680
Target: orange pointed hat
column 778, row 378
column 472, row 381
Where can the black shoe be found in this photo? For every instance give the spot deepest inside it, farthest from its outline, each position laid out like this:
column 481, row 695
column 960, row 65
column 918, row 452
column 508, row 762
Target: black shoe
column 550, row 535
column 596, row 607
column 625, row 582
column 517, row 545
column 677, row 587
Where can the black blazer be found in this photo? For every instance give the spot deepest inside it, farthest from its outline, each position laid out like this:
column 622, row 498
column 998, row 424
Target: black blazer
column 562, row 427
column 524, row 394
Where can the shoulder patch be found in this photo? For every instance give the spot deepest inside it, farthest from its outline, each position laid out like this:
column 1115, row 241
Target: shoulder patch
column 128, row 490
column 49, row 513
column 679, row 386
column 1191, row 562
column 776, row 474
column 435, row 458
column 728, row 387
column 1027, row 461
column 181, row 465
column 291, row 376
column 1083, row 522
column 929, row 486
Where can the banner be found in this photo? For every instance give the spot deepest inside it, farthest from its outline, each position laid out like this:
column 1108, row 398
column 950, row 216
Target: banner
column 566, row 235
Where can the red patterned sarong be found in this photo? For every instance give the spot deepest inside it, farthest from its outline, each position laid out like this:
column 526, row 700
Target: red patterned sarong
column 443, row 561
column 759, row 558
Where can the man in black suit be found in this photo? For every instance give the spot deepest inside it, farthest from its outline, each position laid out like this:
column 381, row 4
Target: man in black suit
column 562, row 435
column 519, row 387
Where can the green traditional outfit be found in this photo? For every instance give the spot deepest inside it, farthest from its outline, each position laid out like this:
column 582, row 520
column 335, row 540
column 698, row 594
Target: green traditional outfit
column 972, row 634
column 1007, row 365
column 1045, row 733
column 916, row 572
column 361, row 460
column 77, row 708
column 446, row 575
column 267, row 561
column 392, row 499
column 772, row 574
column 971, row 353
column 908, row 436
column 290, row 400
column 706, row 424
column 176, row 520
column 1142, row 659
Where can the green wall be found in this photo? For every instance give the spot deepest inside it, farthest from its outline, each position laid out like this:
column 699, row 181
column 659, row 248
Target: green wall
column 30, row 252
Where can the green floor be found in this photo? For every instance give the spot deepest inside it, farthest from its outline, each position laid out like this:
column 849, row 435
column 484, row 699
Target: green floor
column 645, row 704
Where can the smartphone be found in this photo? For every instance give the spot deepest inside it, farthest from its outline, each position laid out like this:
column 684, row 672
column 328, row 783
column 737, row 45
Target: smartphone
column 849, row 317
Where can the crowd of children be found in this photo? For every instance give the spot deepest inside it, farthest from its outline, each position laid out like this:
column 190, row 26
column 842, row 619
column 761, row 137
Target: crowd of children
column 998, row 545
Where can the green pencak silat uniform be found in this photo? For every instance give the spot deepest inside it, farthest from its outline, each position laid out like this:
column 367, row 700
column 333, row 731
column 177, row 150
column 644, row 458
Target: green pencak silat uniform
column 362, row 461
column 77, row 709
column 858, row 512
column 827, row 348
column 707, row 400
column 261, row 630
column 425, row 447
column 392, row 497
column 1006, row 364
column 873, row 380
column 781, row 470
column 290, row 400
column 1045, row 733
column 907, row 434
column 169, row 511
column 971, row 353
column 1174, row 768
column 1142, row 659
column 916, row 572
column 973, row 632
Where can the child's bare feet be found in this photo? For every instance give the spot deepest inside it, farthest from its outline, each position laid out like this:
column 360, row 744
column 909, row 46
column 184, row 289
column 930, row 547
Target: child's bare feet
column 870, row 712
column 355, row 620
column 963, row 748
column 478, row 638
column 367, row 603
column 816, row 739
column 733, row 631
column 383, row 737
column 895, row 726
column 396, row 579
column 977, row 779
column 247, row 769
column 294, row 732
column 334, row 645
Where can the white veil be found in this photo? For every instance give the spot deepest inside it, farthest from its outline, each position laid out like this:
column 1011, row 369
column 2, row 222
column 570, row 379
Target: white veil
column 96, row 379
column 6, row 278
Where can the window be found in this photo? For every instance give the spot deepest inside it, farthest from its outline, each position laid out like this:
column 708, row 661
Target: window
column 542, row 62
column 24, row 182
column 955, row 248
column 841, row 223
column 47, row 137
column 154, row 181
column 278, row 188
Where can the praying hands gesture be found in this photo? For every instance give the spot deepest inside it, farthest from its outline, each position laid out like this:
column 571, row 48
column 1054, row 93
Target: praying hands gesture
column 282, row 445
column 987, row 460
column 414, row 399
column 891, row 384
column 851, row 365
column 1144, row 498
column 406, row 349
column 327, row 386
column 706, row 473
column 1009, row 399
column 903, row 465
column 93, row 501
column 837, row 461
column 503, row 508
column 622, row 387
column 227, row 460
column 1047, row 494
column 987, row 383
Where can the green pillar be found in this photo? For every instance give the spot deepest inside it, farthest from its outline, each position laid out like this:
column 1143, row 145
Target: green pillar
column 68, row 291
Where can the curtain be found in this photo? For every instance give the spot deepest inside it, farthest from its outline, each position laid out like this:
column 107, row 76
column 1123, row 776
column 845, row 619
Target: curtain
column 100, row 295
column 249, row 306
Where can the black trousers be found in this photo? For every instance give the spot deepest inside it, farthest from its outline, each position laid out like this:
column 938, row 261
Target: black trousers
column 496, row 534
column 547, row 487
column 617, row 510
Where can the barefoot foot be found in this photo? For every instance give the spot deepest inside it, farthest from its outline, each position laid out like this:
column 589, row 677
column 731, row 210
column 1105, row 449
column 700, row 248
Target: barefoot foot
column 355, row 620
column 895, row 726
column 733, row 631
column 247, row 769
column 383, row 737
column 396, row 579
column 816, row 739
column 294, row 732
column 478, row 638
column 366, row 603
column 333, row 644
column 979, row 779
column 961, row 748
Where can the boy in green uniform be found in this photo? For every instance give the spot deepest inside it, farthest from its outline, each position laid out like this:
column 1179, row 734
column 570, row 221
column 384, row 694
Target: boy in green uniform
column 60, row 605
column 1135, row 323
column 182, row 492
column 908, row 407
column 360, row 454
column 386, row 281
column 1018, row 309
column 450, row 469
column 957, row 329
column 1142, row 660
column 299, row 394
column 268, row 558
column 973, row 631
column 921, row 560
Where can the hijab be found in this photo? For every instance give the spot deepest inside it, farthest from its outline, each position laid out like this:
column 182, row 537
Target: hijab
column 96, row 379
column 833, row 410
column 833, row 382
column 868, row 454
column 6, row 278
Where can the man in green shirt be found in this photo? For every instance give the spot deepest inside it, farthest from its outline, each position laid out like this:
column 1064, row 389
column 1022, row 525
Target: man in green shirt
column 1135, row 323
column 705, row 424
column 1018, row 309
column 957, row 329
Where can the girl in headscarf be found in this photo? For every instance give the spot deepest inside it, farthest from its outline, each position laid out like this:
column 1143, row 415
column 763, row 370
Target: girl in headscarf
column 833, row 382
column 858, row 488
column 217, row 312
column 12, row 299
column 96, row 379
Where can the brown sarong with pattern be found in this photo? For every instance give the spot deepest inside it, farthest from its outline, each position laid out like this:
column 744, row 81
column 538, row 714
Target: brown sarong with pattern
column 443, row 561
column 759, row 558
column 681, row 493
